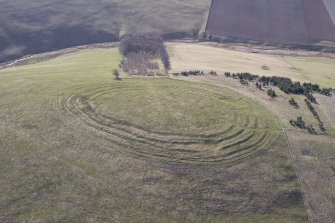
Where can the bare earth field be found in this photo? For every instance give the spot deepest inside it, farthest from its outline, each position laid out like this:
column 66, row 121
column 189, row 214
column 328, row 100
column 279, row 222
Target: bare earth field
column 35, row 26
column 78, row 146
column 285, row 21
column 330, row 5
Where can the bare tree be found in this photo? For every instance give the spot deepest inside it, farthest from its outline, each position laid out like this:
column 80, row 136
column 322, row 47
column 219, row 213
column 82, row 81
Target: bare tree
column 116, row 74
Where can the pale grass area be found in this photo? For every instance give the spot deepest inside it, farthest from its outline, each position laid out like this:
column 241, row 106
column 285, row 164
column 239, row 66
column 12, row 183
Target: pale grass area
column 186, row 56
column 316, row 69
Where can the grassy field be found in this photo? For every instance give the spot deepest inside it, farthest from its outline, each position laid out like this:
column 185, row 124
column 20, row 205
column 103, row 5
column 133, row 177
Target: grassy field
column 171, row 120
column 313, row 155
column 78, row 146
column 315, row 69
column 196, row 56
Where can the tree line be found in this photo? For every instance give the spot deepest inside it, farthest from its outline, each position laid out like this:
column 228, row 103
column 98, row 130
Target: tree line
column 300, row 123
column 187, row 73
column 294, row 103
column 242, row 76
column 283, row 83
column 316, row 115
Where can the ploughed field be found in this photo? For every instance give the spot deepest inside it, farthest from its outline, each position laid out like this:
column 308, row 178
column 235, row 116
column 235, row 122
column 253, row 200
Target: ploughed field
column 277, row 21
column 330, row 5
column 34, row 26
column 78, row 146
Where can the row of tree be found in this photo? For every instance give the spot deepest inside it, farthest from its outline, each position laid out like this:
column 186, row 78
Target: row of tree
column 289, row 87
column 187, row 73
column 242, row 76
column 294, row 103
column 316, row 115
column 300, row 123
column 283, row 83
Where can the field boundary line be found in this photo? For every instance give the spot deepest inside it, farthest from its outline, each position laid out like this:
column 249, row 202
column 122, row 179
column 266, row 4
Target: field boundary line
column 296, row 172
column 209, row 13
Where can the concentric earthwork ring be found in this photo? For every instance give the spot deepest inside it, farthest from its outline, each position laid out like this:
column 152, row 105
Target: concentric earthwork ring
column 243, row 133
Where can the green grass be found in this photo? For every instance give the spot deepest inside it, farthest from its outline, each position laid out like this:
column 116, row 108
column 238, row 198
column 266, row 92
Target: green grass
column 166, row 105
column 315, row 69
column 174, row 120
column 78, row 146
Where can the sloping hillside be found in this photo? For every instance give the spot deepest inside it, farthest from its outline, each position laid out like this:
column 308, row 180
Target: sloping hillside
column 78, row 146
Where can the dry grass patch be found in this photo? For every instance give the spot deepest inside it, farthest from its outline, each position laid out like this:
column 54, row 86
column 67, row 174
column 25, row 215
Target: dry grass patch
column 201, row 57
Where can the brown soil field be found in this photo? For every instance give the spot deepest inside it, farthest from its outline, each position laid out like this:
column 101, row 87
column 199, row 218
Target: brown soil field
column 286, row 21
column 330, row 5
column 37, row 26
